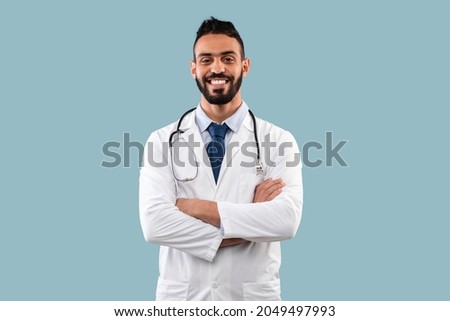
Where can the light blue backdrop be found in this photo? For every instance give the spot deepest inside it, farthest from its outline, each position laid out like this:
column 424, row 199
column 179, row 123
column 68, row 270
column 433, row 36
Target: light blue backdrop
column 74, row 75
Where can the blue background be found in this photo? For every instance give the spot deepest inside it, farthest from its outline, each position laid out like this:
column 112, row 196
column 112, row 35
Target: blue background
column 75, row 75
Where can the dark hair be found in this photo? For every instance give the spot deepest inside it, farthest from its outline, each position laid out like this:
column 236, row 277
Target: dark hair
column 219, row 27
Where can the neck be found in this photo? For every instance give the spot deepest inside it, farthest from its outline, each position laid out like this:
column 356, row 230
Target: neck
column 218, row 113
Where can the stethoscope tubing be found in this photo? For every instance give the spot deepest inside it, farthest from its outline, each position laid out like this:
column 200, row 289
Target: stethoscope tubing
column 179, row 131
column 259, row 168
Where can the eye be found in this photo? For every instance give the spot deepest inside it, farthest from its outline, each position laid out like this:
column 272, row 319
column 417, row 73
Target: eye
column 228, row 59
column 205, row 61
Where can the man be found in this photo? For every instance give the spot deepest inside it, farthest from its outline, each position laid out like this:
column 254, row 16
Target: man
column 219, row 219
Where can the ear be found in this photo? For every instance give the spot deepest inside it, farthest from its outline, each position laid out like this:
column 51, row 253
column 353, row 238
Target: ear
column 193, row 67
column 245, row 66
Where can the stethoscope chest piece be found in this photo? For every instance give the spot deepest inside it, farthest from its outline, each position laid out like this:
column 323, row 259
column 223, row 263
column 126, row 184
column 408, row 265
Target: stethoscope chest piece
column 259, row 169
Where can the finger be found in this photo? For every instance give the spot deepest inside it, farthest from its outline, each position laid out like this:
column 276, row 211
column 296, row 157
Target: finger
column 261, row 186
column 269, row 190
column 256, row 193
column 267, row 184
column 274, row 194
column 264, row 189
column 261, row 189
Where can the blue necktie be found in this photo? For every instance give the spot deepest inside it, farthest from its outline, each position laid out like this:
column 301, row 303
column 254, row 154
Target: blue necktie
column 216, row 148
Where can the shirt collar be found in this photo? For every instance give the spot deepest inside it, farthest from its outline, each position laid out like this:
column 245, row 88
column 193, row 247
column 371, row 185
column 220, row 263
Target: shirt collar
column 234, row 122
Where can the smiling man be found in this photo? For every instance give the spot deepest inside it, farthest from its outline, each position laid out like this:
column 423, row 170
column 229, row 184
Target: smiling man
column 219, row 221
column 219, row 87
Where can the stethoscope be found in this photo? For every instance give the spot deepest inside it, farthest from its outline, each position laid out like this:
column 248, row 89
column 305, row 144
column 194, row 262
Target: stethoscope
column 258, row 166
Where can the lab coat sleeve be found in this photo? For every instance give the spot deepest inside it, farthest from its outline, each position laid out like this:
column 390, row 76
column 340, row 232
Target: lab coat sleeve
column 161, row 221
column 274, row 220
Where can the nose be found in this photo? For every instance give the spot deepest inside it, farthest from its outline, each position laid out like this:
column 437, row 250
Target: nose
column 217, row 67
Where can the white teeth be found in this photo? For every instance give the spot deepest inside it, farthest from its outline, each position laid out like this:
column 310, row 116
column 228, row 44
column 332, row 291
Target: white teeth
column 218, row 81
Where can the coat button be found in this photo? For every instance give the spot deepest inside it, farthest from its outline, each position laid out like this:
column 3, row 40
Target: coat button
column 215, row 285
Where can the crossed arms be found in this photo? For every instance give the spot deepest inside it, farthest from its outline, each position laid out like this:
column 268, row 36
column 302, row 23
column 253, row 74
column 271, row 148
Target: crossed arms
column 192, row 225
column 208, row 212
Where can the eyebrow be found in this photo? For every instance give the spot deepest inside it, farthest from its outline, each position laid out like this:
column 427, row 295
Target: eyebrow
column 223, row 53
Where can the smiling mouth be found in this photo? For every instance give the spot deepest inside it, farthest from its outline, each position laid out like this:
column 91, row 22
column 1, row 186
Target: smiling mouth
column 215, row 81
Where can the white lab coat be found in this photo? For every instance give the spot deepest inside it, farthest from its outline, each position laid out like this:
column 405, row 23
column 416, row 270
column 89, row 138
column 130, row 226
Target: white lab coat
column 192, row 266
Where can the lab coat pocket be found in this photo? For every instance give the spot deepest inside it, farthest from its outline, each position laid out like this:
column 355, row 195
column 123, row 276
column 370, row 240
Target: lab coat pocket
column 262, row 291
column 247, row 185
column 171, row 290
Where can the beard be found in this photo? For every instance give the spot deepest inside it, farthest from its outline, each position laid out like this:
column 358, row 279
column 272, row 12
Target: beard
column 219, row 96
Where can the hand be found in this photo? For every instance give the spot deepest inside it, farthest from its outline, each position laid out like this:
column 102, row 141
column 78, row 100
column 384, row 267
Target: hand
column 268, row 190
column 232, row 242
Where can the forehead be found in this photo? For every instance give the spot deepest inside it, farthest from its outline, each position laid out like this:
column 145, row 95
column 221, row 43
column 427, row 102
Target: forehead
column 215, row 44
